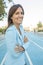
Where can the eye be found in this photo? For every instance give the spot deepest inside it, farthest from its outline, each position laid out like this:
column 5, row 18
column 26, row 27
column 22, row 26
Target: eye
column 19, row 13
column 22, row 13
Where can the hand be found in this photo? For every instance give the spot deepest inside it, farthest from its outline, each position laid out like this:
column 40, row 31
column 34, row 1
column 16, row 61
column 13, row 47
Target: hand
column 19, row 49
column 25, row 39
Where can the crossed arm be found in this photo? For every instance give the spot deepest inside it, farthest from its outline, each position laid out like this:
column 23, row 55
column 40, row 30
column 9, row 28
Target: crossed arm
column 21, row 48
column 11, row 46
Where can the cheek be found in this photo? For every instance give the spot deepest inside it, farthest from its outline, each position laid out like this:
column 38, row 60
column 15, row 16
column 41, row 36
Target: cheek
column 15, row 17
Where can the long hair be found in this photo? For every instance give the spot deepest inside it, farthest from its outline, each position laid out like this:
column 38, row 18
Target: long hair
column 12, row 11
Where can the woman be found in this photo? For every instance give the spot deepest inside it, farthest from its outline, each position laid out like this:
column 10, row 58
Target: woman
column 16, row 39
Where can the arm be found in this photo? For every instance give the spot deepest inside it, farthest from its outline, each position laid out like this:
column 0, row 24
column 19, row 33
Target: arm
column 26, row 43
column 11, row 41
column 26, row 40
column 19, row 49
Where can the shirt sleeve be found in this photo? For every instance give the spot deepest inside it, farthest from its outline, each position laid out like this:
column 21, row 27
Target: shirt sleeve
column 26, row 45
column 11, row 41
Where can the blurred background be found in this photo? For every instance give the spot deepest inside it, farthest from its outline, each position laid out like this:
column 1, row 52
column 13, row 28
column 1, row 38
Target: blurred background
column 33, row 26
column 33, row 18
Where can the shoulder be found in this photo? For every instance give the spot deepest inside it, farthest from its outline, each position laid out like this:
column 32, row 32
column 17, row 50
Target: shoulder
column 10, row 33
column 11, row 29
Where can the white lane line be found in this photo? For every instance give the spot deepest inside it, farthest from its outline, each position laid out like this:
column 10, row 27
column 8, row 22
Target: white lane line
column 27, row 55
column 36, row 44
column 4, row 59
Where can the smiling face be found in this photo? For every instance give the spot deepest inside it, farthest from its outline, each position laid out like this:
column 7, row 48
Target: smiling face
column 17, row 17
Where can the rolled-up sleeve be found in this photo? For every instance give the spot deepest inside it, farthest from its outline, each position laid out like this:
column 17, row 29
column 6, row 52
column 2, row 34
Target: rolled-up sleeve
column 26, row 45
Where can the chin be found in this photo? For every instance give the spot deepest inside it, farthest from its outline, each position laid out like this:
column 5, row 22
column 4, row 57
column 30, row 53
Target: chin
column 20, row 22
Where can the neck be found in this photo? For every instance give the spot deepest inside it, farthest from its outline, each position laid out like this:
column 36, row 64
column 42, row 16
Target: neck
column 17, row 26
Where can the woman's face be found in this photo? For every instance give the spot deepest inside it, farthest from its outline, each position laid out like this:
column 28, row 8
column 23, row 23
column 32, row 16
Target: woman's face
column 17, row 16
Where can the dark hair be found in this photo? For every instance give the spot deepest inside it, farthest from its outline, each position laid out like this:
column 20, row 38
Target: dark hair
column 12, row 11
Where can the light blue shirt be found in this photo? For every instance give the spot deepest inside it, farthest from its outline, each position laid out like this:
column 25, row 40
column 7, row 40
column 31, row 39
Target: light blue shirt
column 14, row 38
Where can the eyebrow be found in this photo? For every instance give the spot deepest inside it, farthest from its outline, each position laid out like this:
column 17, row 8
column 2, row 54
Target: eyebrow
column 18, row 13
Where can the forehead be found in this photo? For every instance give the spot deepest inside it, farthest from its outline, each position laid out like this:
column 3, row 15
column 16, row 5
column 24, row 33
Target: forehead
column 19, row 9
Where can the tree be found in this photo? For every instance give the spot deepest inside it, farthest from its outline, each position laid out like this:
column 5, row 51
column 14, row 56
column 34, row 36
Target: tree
column 39, row 24
column 2, row 8
column 10, row 0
